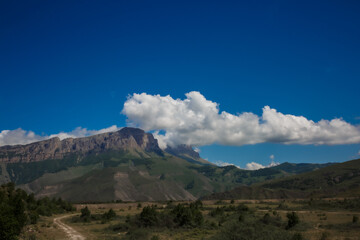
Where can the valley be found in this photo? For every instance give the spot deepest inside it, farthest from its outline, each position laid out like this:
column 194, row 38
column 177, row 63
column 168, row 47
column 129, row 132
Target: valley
column 123, row 186
column 220, row 220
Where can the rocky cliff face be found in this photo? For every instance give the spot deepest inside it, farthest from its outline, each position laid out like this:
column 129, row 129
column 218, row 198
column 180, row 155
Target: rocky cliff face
column 186, row 152
column 181, row 150
column 124, row 139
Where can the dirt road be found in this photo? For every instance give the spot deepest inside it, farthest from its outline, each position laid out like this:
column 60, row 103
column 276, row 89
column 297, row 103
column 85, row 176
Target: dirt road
column 70, row 232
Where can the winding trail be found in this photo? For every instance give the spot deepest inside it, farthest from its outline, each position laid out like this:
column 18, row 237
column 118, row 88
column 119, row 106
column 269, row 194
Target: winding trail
column 70, row 232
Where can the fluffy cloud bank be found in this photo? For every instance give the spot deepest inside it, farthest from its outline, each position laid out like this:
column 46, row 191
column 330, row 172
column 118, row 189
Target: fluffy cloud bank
column 197, row 121
column 20, row 136
column 256, row 166
column 249, row 166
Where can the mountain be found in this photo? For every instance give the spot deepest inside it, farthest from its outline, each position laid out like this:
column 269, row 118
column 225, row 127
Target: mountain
column 126, row 139
column 124, row 165
column 334, row 180
column 296, row 168
column 186, row 152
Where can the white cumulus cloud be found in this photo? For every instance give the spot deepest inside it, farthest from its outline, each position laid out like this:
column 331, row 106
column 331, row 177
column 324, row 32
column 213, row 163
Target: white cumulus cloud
column 256, row 166
column 197, row 121
column 20, row 136
column 249, row 166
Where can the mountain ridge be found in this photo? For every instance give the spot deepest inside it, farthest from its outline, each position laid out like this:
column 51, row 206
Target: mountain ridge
column 54, row 148
column 124, row 165
column 333, row 180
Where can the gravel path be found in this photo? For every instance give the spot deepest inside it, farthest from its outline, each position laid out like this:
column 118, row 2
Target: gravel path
column 70, row 232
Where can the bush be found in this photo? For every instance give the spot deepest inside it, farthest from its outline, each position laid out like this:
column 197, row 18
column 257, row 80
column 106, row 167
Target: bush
column 148, row 217
column 242, row 208
column 297, row 236
column 324, row 236
column 85, row 214
column 251, row 230
column 138, row 233
column 217, row 212
column 266, row 218
column 187, row 216
column 108, row 215
column 293, row 219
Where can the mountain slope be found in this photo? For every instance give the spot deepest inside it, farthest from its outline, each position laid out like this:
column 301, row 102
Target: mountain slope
column 296, row 168
column 336, row 180
column 125, row 165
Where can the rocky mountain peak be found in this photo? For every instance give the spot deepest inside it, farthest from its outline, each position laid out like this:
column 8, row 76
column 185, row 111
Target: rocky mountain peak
column 54, row 148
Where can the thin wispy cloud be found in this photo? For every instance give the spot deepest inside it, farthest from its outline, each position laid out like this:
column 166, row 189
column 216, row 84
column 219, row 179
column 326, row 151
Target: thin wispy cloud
column 197, row 121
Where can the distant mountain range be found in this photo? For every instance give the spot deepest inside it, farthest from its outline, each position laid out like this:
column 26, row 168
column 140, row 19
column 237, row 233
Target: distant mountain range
column 334, row 180
column 125, row 165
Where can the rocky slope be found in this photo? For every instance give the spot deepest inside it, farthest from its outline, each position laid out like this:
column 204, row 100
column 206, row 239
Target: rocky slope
column 186, row 152
column 124, row 139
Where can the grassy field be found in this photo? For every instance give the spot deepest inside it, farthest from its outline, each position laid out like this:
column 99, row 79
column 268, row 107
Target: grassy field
column 318, row 220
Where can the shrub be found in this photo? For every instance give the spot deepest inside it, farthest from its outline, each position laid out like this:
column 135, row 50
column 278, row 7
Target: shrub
column 187, row 216
column 324, row 236
column 155, row 237
column 108, row 215
column 85, row 214
column 266, row 218
column 297, row 236
column 148, row 217
column 217, row 212
column 293, row 219
column 138, row 233
column 242, row 208
column 251, row 230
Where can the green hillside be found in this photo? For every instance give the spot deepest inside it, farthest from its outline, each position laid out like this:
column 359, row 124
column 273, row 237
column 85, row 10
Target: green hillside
column 336, row 180
column 126, row 165
column 128, row 177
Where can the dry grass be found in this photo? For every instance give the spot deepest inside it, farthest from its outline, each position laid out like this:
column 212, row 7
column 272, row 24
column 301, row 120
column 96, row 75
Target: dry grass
column 336, row 224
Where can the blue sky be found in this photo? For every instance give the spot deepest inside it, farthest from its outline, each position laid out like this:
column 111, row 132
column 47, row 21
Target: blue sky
column 65, row 64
